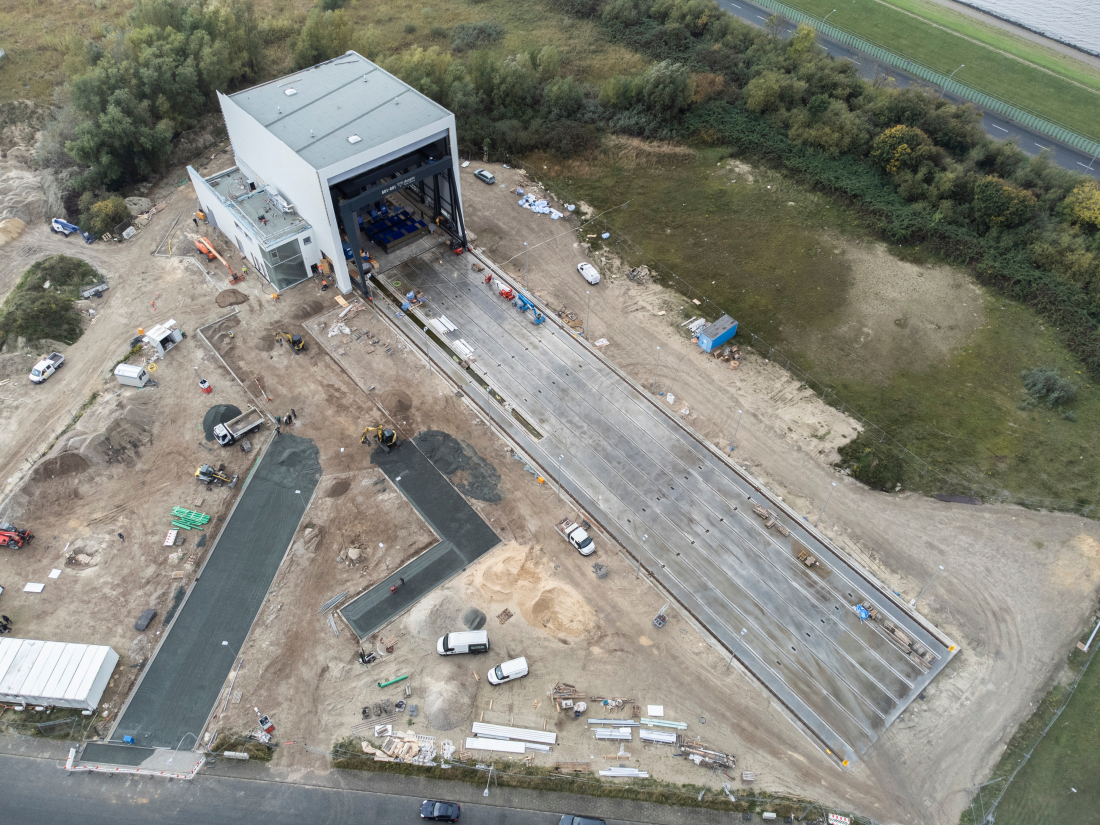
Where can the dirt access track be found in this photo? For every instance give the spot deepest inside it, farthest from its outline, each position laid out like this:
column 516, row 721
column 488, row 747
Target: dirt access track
column 994, row 598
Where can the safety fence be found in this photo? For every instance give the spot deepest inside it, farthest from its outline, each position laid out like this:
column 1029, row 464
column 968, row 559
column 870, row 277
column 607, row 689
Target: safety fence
column 982, row 98
column 631, row 252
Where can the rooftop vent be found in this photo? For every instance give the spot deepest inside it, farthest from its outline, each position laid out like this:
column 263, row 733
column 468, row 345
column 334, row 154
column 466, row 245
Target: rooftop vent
column 354, row 139
column 290, row 92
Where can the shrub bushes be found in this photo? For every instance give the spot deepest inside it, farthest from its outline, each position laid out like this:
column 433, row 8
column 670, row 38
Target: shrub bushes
column 466, row 37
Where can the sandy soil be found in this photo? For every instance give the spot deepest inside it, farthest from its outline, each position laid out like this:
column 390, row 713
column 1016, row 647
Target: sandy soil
column 995, row 595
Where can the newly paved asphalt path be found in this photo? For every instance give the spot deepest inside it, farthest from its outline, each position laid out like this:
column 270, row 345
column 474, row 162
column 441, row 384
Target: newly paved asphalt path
column 180, row 685
column 995, row 126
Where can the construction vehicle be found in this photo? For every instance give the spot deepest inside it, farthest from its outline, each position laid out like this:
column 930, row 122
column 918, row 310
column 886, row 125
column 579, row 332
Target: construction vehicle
column 576, row 536
column 203, row 249
column 231, row 430
column 208, row 475
column 525, row 305
column 46, row 367
column 12, row 536
column 65, row 228
column 297, row 343
column 234, row 278
column 387, row 439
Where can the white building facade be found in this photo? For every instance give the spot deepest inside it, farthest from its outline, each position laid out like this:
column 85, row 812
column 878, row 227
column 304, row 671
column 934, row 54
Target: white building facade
column 317, row 152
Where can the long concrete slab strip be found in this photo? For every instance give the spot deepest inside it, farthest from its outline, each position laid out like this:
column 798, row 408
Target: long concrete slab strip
column 181, row 683
column 464, row 537
column 685, row 513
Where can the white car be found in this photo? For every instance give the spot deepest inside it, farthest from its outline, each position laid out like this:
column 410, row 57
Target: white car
column 506, row 671
column 589, row 273
column 485, row 177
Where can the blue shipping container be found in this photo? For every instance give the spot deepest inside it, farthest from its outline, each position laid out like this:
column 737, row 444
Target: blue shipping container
column 717, row 333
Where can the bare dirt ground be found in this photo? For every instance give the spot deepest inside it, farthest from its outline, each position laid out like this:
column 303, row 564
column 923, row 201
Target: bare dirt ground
column 1015, row 592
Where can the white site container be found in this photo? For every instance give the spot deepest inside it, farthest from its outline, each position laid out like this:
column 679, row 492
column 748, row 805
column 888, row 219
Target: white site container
column 131, row 375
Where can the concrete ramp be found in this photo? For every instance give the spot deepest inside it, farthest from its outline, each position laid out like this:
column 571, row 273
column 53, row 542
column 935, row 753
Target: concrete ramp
column 110, row 757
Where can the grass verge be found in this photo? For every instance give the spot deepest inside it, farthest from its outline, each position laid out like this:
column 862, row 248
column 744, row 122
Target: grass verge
column 767, row 253
column 348, row 755
column 1058, row 783
column 921, row 38
column 257, row 751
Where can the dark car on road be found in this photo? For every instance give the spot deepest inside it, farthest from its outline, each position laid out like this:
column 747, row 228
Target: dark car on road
column 570, row 819
column 439, row 811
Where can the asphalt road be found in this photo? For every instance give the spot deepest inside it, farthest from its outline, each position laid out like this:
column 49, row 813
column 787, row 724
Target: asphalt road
column 35, row 790
column 997, row 127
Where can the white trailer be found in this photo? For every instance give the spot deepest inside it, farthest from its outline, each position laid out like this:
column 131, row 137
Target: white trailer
column 132, row 375
column 54, row 674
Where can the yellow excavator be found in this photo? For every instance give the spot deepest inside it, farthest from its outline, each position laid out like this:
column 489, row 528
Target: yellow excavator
column 387, row 438
column 208, row 475
column 297, row 343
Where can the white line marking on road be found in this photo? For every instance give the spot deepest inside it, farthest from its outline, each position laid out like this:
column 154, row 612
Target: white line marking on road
column 1087, row 167
column 995, row 126
column 763, row 18
column 1044, row 148
column 848, row 58
column 735, row 5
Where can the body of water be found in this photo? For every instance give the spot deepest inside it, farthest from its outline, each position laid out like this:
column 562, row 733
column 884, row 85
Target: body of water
column 1076, row 22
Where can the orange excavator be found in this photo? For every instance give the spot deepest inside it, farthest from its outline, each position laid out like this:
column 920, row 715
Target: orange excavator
column 207, row 248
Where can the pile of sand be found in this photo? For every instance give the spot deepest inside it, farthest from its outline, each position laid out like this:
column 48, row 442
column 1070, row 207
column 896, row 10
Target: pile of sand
column 514, row 577
column 10, row 229
column 450, row 704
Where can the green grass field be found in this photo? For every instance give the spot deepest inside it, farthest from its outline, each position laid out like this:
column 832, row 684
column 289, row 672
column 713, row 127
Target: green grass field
column 1052, row 96
column 766, row 256
column 1067, row 758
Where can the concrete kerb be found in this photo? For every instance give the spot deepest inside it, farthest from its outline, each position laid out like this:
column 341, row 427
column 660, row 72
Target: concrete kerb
column 198, row 575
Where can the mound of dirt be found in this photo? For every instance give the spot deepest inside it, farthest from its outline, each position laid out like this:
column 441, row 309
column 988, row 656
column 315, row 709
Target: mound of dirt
column 473, row 618
column 449, row 705
column 471, row 474
column 109, row 435
column 218, row 414
column 515, row 577
column 396, row 401
column 307, row 310
column 230, row 297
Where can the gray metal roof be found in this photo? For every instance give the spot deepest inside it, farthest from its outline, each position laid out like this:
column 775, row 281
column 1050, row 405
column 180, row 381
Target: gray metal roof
column 335, row 100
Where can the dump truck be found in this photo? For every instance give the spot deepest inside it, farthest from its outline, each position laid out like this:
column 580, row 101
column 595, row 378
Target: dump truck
column 46, row 367
column 243, row 424
column 576, row 535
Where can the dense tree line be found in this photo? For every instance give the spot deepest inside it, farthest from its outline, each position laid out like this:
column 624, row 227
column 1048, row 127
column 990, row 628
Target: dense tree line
column 920, row 168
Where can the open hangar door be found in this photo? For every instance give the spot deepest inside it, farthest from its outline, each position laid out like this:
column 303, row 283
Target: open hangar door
column 426, row 176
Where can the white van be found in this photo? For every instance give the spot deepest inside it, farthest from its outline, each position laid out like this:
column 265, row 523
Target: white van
column 471, row 641
column 506, row 672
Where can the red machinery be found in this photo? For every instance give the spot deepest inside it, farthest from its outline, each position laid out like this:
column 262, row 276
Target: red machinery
column 12, row 536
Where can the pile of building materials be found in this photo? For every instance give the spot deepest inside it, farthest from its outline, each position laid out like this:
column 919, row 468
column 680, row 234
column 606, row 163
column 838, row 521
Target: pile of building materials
column 701, row 755
column 404, row 747
column 539, row 207
column 624, row 773
column 506, row 739
column 624, row 733
column 188, row 519
column 771, row 519
column 661, row 737
column 564, row 692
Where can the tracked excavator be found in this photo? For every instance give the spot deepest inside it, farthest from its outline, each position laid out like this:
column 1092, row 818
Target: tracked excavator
column 387, row 438
column 208, row 475
column 297, row 343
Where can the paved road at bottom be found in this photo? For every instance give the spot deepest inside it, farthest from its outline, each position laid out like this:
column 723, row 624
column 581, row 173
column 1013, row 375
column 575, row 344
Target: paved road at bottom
column 997, row 127
column 35, row 791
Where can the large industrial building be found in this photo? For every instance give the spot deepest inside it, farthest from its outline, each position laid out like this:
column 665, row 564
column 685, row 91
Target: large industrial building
column 333, row 164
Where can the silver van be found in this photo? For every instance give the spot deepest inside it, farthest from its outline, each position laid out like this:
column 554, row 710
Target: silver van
column 506, row 672
column 470, row 641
